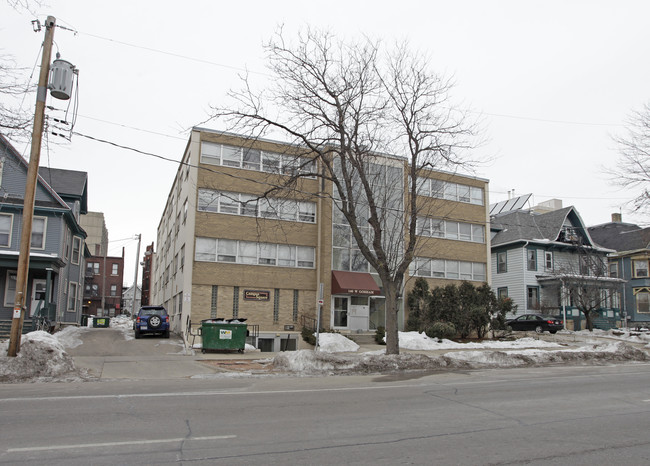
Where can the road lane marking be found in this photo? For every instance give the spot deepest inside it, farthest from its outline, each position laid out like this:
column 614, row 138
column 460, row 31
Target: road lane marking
column 116, row 444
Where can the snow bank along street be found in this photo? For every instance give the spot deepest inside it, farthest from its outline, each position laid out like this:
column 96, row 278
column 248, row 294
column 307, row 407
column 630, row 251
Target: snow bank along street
column 43, row 357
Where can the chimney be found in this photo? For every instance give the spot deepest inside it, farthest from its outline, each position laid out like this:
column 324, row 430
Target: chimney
column 617, row 218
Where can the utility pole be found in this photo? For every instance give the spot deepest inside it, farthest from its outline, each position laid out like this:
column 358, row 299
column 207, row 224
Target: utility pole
column 30, row 193
column 135, row 278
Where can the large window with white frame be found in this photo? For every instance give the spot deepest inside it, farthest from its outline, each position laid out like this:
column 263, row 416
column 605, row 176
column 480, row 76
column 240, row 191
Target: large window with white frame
column 39, row 228
column 72, row 296
column 248, row 252
column 438, row 228
column 10, row 288
column 6, row 224
column 642, row 301
column 255, row 159
column 447, row 190
column 76, row 249
column 449, row 269
column 248, row 205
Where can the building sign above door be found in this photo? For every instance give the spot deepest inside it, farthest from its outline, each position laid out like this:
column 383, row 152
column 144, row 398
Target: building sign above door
column 257, row 295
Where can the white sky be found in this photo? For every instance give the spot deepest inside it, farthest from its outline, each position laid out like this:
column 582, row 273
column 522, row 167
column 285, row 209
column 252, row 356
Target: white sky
column 553, row 80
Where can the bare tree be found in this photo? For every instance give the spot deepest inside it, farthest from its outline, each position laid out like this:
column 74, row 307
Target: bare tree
column 582, row 281
column 14, row 120
column 344, row 104
column 634, row 163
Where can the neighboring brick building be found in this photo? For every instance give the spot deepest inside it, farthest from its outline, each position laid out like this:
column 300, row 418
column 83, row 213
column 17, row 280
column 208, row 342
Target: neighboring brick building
column 223, row 254
column 103, row 285
column 147, row 267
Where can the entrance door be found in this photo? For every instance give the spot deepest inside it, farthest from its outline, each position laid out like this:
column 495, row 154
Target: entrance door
column 340, row 312
column 38, row 294
column 359, row 313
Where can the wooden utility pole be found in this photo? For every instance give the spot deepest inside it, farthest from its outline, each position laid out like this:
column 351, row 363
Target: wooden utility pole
column 30, row 193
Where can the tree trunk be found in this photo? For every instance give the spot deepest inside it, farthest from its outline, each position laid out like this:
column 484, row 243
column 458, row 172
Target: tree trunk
column 589, row 321
column 392, row 308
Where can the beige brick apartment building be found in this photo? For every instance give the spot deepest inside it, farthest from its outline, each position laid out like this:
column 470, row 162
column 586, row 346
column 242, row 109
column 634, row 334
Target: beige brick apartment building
column 224, row 252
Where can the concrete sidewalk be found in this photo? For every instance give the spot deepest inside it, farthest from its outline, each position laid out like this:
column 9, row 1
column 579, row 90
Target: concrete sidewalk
column 106, row 355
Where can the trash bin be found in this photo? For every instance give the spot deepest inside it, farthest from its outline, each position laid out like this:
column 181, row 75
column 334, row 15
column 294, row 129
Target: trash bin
column 84, row 320
column 101, row 322
column 224, row 335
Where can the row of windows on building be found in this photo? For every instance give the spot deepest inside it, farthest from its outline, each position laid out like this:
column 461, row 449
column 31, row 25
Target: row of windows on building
column 248, row 252
column 450, row 269
column 92, row 290
column 447, row 229
column 255, row 159
column 586, row 265
column 93, row 268
column 449, row 191
column 39, row 230
column 252, row 206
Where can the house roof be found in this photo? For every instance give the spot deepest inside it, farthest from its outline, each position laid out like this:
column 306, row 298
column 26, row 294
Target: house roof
column 68, row 184
column 523, row 225
column 621, row 236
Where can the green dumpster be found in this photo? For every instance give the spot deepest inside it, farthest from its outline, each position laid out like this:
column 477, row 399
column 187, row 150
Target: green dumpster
column 101, row 322
column 224, row 335
column 84, row 320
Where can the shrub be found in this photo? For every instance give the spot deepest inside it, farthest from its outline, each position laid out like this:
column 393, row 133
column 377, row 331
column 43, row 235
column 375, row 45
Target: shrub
column 308, row 335
column 441, row 330
column 379, row 335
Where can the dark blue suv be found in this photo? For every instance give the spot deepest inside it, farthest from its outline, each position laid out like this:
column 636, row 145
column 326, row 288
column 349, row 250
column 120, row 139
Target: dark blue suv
column 152, row 319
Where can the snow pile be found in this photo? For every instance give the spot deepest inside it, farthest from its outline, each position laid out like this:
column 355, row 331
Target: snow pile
column 124, row 324
column 308, row 362
column 336, row 343
column 420, row 341
column 42, row 358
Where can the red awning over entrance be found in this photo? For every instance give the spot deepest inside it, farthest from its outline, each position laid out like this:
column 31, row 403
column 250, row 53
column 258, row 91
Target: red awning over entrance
column 354, row 283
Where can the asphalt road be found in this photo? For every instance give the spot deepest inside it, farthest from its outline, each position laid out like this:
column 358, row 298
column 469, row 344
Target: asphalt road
column 573, row 415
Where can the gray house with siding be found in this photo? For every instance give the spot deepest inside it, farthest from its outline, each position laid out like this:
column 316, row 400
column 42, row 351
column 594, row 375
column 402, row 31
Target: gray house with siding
column 545, row 261
column 58, row 251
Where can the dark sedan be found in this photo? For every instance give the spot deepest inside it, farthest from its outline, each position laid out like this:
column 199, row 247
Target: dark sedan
column 536, row 322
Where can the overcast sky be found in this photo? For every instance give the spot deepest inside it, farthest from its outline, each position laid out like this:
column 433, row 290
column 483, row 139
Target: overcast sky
column 553, row 80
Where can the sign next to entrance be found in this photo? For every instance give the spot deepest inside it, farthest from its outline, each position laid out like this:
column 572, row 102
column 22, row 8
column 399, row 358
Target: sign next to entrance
column 257, row 295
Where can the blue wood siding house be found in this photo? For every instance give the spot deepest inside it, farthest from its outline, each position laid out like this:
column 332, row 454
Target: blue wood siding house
column 58, row 251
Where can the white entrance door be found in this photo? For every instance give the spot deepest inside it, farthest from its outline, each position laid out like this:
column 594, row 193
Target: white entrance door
column 358, row 314
column 38, row 294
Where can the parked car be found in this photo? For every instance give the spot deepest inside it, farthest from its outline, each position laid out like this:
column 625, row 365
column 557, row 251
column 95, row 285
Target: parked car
column 152, row 319
column 536, row 322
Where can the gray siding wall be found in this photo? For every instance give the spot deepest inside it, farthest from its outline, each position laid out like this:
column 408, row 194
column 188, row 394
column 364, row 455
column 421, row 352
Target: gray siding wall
column 513, row 279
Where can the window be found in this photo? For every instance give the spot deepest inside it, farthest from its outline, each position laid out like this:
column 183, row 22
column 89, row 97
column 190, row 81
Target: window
column 450, row 269
column 502, row 262
column 115, row 270
column 113, row 290
column 76, row 249
column 533, row 297
column 531, row 259
column 450, row 191
column 72, row 296
column 643, row 302
column 208, row 200
column 502, row 293
column 6, row 221
column 182, row 258
column 184, row 211
column 227, row 250
column 548, row 260
column 613, row 269
column 437, row 228
column 38, row 232
column 640, row 267
column 10, row 288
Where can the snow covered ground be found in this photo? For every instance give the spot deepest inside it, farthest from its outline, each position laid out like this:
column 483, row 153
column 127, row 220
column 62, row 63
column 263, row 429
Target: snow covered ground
column 43, row 357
